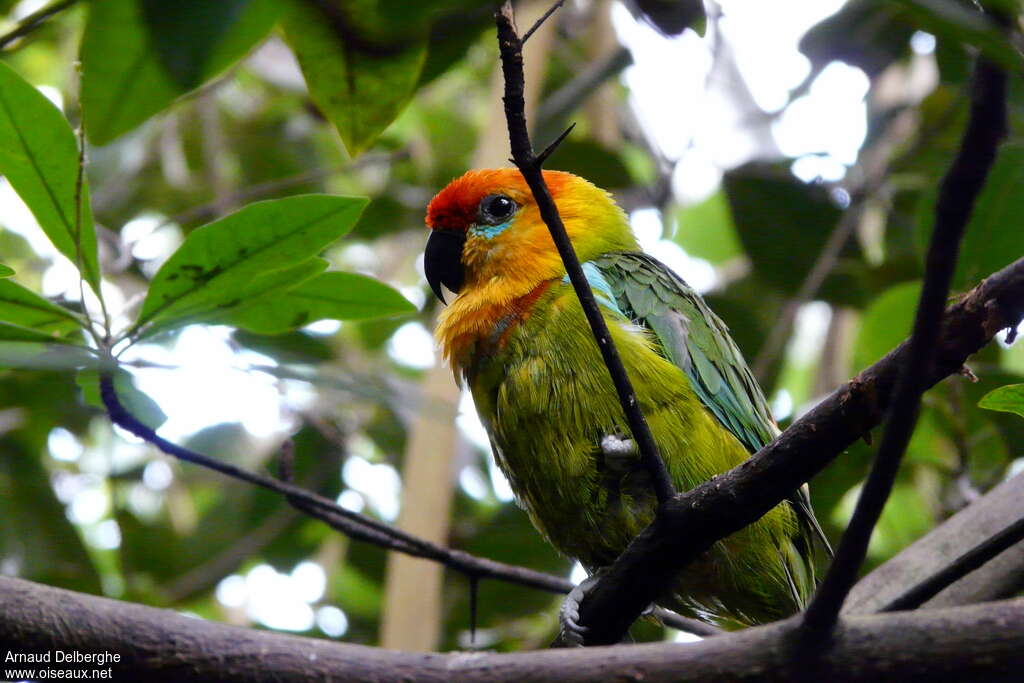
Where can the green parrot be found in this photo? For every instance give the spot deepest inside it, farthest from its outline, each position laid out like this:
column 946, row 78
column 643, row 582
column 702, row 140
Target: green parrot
column 517, row 335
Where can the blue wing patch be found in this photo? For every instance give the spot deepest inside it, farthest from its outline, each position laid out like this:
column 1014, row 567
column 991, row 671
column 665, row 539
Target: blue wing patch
column 599, row 283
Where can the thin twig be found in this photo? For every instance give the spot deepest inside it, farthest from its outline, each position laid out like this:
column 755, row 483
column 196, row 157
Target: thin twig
column 360, row 527
column 34, row 21
column 965, row 564
column 564, row 100
column 100, row 340
column 540, row 22
column 271, row 187
column 823, row 266
column 511, row 48
column 958, row 191
column 871, row 168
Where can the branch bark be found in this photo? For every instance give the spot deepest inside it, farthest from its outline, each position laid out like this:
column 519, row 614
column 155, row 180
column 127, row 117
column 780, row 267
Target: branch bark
column 980, row 642
column 999, row 578
column 695, row 520
column 960, row 187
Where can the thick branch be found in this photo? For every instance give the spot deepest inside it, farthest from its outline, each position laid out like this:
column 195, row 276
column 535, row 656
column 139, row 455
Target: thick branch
column 981, row 642
column 692, row 522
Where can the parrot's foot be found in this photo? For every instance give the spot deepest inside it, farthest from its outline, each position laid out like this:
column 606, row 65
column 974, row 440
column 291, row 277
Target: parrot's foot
column 573, row 634
column 620, row 453
column 569, row 616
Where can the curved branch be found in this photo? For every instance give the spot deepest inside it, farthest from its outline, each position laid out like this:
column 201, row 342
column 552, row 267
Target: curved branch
column 692, row 522
column 980, row 642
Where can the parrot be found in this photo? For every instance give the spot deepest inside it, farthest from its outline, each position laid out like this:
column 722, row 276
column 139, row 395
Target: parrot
column 514, row 332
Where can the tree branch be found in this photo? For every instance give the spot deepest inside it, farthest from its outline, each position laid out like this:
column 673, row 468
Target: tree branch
column 511, row 48
column 973, row 559
column 692, row 522
column 360, row 527
column 980, row 642
column 985, row 518
column 34, row 21
column 986, row 128
column 563, row 101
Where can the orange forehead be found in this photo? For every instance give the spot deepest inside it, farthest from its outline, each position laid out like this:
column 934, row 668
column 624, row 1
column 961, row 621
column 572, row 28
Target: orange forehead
column 455, row 207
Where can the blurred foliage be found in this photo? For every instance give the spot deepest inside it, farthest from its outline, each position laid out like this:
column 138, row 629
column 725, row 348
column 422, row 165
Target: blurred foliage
column 228, row 145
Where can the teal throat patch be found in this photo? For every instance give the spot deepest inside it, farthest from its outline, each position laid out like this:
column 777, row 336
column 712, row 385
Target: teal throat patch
column 489, row 232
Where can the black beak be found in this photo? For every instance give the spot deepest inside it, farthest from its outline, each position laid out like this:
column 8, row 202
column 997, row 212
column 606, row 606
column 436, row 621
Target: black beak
column 442, row 261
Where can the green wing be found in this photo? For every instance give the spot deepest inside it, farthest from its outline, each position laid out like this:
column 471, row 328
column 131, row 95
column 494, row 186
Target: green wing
column 697, row 341
column 694, row 339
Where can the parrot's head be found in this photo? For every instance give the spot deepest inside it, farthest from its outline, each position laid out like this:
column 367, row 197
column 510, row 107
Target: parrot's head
column 486, row 228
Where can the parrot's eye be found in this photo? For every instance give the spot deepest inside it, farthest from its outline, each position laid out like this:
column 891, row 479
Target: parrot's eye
column 496, row 209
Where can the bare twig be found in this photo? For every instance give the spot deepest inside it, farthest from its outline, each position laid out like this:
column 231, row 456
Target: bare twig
column 871, row 169
column 947, row 543
column 540, row 22
column 958, row 191
column 34, row 21
column 511, row 48
column 959, row 568
column 272, row 187
column 360, row 527
column 564, row 100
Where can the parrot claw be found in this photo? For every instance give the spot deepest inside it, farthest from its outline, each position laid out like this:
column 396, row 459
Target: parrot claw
column 573, row 634
column 619, row 452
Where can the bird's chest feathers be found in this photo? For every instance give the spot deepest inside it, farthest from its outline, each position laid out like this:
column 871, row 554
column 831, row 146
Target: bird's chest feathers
column 475, row 327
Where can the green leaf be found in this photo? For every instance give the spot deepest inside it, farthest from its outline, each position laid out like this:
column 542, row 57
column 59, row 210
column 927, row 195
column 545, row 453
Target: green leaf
column 359, row 84
column 220, row 265
column 590, row 160
column 449, row 39
column 672, row 17
column 39, row 157
column 706, row 230
column 1008, row 399
column 186, row 32
column 886, row 323
column 6, row 271
column 962, row 23
column 783, row 225
column 43, row 355
column 277, row 281
column 127, row 76
column 339, row 296
column 864, row 33
column 988, row 244
column 142, row 407
column 36, row 536
column 18, row 333
column 261, row 287
column 26, row 308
